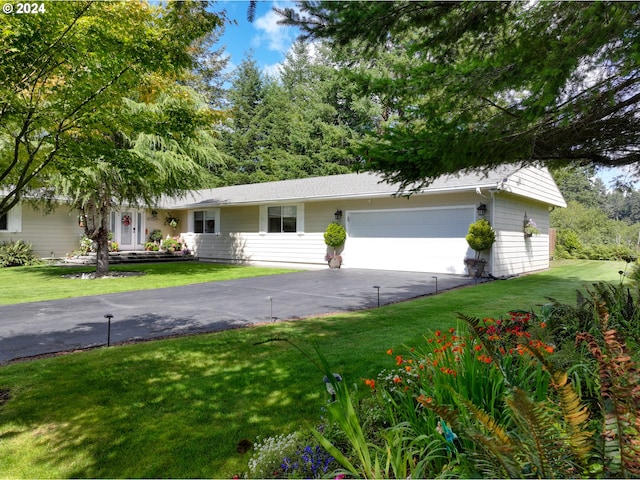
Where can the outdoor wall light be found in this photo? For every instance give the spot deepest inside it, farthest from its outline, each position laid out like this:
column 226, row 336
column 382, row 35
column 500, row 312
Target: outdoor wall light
column 482, row 210
column 338, row 214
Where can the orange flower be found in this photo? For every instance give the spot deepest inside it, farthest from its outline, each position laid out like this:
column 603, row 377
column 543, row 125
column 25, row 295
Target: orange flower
column 390, row 352
column 407, row 368
column 543, row 325
column 399, row 360
column 478, row 348
column 370, row 382
column 438, row 333
column 397, row 379
column 452, row 330
column 424, row 400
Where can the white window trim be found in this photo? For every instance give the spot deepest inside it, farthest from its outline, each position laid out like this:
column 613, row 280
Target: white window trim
column 264, row 221
column 14, row 220
column 216, row 218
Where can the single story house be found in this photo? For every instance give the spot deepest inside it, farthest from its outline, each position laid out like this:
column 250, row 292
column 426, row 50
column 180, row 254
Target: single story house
column 284, row 222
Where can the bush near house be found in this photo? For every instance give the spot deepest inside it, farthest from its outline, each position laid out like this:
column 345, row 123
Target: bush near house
column 17, row 254
column 88, row 246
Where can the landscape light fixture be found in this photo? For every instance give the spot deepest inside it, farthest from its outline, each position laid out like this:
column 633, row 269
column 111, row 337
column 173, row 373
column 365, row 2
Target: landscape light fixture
column 108, row 316
column 482, row 210
column 329, row 386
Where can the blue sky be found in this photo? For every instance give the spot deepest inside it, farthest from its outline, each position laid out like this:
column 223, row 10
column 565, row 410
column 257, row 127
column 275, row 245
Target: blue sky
column 268, row 40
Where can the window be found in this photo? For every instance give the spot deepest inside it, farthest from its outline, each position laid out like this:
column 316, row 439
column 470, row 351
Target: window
column 204, row 221
column 282, row 219
column 4, row 223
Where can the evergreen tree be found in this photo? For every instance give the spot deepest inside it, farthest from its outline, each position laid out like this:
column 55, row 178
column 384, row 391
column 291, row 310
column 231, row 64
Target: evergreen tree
column 484, row 83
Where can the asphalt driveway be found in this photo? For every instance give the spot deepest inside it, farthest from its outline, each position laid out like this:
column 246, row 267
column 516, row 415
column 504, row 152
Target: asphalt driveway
column 60, row 325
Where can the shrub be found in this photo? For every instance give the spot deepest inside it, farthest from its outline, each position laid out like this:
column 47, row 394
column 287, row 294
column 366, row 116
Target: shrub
column 480, row 236
column 17, row 254
column 335, row 235
column 156, row 236
column 151, row 246
column 171, row 245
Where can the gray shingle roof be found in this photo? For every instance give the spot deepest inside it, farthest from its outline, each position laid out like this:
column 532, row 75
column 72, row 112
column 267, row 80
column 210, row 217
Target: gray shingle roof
column 351, row 185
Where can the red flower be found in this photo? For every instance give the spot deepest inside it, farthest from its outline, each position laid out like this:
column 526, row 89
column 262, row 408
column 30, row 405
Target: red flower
column 370, row 382
column 399, row 360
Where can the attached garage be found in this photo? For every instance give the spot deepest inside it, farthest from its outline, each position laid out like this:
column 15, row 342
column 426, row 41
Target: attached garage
column 413, row 229
column 421, row 239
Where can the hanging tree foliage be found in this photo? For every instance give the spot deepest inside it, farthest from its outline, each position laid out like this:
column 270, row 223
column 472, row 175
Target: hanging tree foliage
column 475, row 84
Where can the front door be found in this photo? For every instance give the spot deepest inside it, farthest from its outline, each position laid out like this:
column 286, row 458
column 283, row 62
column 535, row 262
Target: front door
column 128, row 229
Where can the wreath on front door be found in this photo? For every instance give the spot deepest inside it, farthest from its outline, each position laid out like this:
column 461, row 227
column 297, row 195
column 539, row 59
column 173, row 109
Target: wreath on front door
column 126, row 220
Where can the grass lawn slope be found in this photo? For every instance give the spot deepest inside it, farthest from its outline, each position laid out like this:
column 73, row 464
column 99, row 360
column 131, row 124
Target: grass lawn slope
column 178, row 408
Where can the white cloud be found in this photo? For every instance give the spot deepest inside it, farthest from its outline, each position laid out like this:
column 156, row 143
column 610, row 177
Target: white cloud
column 272, row 70
column 276, row 37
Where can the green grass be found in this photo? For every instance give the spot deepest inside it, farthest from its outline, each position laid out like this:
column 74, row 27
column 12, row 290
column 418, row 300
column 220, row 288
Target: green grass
column 43, row 282
column 177, row 408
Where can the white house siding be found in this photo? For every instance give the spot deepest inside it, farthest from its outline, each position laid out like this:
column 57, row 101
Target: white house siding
column 513, row 253
column 535, row 183
column 56, row 233
column 240, row 239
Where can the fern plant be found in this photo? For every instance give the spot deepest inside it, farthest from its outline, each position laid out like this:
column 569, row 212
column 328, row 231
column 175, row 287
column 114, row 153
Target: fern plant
column 17, row 254
column 620, row 401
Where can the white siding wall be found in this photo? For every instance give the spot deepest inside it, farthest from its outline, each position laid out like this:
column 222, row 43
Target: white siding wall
column 513, row 253
column 240, row 239
column 57, row 232
column 535, row 183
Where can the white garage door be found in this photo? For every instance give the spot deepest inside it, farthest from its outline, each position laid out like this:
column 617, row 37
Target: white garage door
column 422, row 240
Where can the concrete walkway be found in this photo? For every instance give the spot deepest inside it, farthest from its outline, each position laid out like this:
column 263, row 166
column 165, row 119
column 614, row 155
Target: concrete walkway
column 61, row 325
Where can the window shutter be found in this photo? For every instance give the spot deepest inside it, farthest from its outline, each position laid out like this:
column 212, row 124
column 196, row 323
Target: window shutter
column 14, row 219
column 300, row 218
column 263, row 219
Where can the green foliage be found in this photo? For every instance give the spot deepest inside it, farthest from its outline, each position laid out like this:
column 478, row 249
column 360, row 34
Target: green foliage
column 17, row 254
column 481, row 235
column 156, row 235
column 587, row 233
column 475, row 84
column 78, row 62
column 504, row 405
column 335, row 235
column 151, row 246
column 108, row 118
column 171, row 245
column 295, row 455
column 302, row 125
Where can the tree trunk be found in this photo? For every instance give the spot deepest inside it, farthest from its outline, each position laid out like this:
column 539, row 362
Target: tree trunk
column 102, row 242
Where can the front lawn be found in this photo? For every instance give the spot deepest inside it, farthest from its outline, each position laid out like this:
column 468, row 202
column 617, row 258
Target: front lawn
column 179, row 408
column 44, row 282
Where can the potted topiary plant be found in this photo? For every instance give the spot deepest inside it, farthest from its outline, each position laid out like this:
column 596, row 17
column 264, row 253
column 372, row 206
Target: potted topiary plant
column 480, row 238
column 334, row 236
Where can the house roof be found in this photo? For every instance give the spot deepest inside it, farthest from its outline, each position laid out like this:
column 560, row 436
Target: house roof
column 352, row 185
